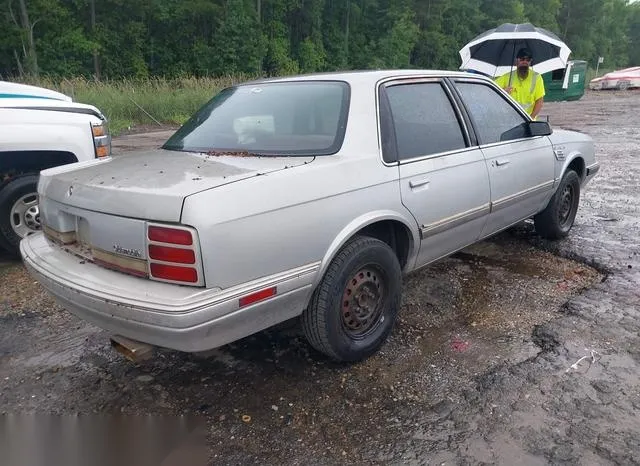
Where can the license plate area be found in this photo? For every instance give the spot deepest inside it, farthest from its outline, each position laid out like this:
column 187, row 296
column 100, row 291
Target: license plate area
column 113, row 242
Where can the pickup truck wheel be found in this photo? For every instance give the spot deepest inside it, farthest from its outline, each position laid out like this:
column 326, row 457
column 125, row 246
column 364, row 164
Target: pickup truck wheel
column 355, row 305
column 555, row 221
column 19, row 213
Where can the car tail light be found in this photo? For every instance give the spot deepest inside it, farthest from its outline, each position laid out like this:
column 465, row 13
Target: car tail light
column 170, row 254
column 170, row 235
column 174, row 273
column 173, row 255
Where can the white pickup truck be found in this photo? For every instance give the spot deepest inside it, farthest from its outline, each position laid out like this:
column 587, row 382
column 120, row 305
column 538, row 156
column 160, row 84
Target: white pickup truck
column 40, row 129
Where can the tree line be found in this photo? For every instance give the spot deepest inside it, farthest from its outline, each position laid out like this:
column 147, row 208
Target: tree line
column 109, row 39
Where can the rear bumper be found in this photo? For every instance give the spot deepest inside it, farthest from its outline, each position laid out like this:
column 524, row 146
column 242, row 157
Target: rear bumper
column 166, row 315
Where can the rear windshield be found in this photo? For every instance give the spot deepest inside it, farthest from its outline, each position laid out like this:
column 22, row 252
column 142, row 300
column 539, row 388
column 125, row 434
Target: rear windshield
column 292, row 118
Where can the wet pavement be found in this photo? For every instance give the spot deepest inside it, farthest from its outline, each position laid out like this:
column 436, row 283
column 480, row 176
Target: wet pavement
column 514, row 351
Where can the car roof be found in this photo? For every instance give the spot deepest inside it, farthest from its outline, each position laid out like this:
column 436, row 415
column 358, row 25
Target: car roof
column 362, row 76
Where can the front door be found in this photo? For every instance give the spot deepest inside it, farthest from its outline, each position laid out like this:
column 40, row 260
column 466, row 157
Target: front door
column 521, row 168
column 443, row 180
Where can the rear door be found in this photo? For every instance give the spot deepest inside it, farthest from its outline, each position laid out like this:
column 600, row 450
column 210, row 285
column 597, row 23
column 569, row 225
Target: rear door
column 521, row 168
column 443, row 176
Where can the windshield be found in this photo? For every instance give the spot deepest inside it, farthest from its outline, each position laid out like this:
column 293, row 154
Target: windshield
column 291, row 118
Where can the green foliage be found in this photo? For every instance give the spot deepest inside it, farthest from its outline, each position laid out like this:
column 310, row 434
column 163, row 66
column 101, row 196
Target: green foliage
column 503, row 11
column 278, row 60
column 238, row 44
column 139, row 39
column 543, row 13
column 394, row 48
column 127, row 103
column 634, row 35
column 311, row 56
column 594, row 28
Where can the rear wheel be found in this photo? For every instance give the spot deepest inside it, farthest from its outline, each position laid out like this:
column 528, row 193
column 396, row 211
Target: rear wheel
column 555, row 221
column 354, row 308
column 19, row 212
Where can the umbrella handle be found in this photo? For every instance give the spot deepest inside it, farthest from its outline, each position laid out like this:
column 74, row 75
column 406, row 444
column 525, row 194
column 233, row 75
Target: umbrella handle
column 513, row 59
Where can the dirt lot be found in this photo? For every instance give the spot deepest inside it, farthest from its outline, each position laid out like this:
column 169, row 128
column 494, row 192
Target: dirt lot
column 514, row 351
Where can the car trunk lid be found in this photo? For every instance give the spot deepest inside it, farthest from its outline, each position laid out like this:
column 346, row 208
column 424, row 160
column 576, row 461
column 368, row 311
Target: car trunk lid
column 152, row 184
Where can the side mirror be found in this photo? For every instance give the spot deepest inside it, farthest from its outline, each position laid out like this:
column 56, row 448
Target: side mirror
column 538, row 128
column 528, row 129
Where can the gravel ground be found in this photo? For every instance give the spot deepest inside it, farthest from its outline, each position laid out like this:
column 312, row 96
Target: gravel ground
column 482, row 367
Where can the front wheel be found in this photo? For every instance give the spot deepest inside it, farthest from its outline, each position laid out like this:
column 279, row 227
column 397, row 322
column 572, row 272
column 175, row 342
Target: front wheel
column 354, row 308
column 555, row 221
column 19, row 211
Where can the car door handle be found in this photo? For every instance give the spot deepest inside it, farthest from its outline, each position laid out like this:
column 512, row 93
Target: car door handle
column 418, row 183
column 501, row 162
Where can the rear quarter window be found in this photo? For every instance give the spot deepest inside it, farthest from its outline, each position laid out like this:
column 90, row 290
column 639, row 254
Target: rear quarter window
column 424, row 120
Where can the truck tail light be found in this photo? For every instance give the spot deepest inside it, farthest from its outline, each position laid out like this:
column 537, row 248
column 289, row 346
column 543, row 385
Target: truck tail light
column 102, row 151
column 101, row 140
column 173, row 255
column 98, row 130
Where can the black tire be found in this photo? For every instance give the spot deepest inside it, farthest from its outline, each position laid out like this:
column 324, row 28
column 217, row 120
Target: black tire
column 10, row 193
column 555, row 221
column 361, row 287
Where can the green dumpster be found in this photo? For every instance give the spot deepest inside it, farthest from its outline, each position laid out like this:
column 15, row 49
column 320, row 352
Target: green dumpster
column 567, row 83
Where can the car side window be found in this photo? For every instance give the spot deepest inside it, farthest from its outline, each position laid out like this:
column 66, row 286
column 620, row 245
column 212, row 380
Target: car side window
column 494, row 118
column 424, row 120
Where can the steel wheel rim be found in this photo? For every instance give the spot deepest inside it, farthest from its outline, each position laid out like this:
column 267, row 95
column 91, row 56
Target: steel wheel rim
column 566, row 205
column 363, row 303
column 25, row 215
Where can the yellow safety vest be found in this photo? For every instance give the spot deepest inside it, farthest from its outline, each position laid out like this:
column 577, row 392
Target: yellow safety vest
column 525, row 91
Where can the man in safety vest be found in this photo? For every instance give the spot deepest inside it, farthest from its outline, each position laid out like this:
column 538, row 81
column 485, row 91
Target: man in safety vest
column 523, row 84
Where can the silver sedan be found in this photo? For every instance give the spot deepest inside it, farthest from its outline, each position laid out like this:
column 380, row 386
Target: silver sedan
column 304, row 197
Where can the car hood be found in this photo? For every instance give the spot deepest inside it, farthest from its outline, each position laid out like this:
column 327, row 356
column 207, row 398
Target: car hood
column 151, row 184
column 563, row 136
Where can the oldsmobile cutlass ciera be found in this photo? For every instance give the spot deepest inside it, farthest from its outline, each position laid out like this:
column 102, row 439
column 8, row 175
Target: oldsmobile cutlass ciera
column 304, row 196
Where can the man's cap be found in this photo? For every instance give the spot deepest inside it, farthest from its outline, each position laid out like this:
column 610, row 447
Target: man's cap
column 524, row 53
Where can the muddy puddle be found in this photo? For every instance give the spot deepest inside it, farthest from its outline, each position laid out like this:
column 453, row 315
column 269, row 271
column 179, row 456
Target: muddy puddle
column 460, row 318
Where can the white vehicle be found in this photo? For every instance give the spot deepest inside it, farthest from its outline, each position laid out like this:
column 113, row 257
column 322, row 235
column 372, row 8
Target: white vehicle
column 40, row 129
column 628, row 78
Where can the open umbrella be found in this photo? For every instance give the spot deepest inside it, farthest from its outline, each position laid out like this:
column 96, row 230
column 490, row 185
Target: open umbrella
column 493, row 52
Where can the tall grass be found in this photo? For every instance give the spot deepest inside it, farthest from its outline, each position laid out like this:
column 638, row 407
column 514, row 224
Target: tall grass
column 130, row 103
